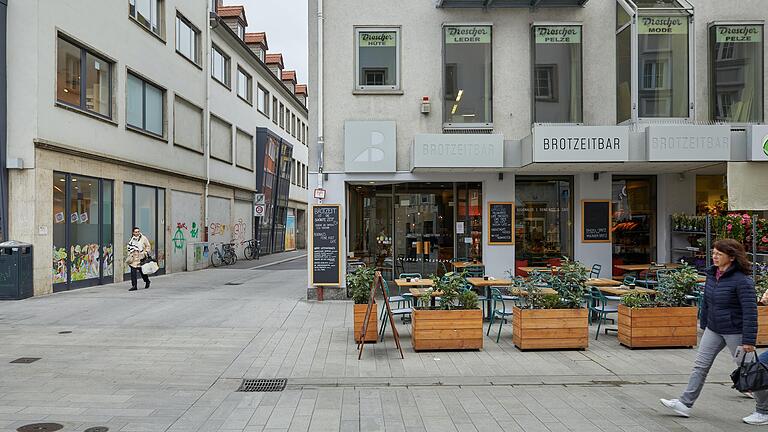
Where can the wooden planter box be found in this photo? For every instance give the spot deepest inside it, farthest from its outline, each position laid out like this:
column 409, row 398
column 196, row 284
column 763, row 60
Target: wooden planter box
column 762, row 326
column 372, row 332
column 447, row 329
column 658, row 327
column 550, row 328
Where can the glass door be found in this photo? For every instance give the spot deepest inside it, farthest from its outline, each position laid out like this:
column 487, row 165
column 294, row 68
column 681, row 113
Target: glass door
column 370, row 222
column 469, row 222
column 634, row 220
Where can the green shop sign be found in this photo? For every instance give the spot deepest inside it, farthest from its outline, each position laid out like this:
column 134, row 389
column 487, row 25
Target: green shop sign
column 739, row 33
column 377, row 39
column 467, row 34
column 663, row 25
column 557, row 34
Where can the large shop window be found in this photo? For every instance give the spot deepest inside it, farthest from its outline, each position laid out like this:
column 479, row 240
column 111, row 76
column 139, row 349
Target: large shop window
column 378, row 58
column 468, row 76
column 663, row 66
column 634, row 220
column 146, row 110
column 83, row 250
column 543, row 220
column 144, row 207
column 557, row 74
column 83, row 79
column 736, row 66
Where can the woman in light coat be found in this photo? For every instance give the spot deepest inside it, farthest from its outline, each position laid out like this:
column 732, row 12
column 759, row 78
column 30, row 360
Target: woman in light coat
column 138, row 249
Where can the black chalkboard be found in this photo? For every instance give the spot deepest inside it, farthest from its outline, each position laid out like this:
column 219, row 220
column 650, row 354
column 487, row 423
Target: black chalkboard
column 501, row 223
column 326, row 231
column 596, row 221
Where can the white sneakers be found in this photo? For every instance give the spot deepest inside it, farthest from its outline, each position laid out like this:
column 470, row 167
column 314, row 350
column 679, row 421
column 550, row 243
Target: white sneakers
column 678, row 407
column 756, row 419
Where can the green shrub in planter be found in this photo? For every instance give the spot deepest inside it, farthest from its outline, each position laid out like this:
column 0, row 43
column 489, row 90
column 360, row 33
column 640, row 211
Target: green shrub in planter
column 359, row 282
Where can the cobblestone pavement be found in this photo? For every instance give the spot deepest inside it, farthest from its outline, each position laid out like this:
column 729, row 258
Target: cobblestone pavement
column 170, row 359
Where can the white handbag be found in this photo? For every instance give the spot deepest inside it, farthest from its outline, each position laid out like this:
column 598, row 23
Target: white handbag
column 149, row 268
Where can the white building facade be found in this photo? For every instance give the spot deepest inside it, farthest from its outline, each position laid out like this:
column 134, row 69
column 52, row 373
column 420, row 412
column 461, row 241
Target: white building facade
column 588, row 123
column 130, row 116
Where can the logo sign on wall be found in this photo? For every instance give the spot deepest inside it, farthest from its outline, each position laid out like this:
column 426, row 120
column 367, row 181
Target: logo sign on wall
column 757, row 139
column 689, row 143
column 370, row 146
column 580, row 144
column 557, row 34
column 467, row 34
column 738, row 33
column 662, row 25
column 378, row 39
column 458, row 151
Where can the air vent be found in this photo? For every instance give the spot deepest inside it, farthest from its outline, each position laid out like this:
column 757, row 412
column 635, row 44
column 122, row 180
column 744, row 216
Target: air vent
column 467, row 131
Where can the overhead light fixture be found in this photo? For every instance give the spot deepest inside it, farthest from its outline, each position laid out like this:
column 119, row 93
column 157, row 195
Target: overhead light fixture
column 459, row 95
column 453, row 110
column 467, row 115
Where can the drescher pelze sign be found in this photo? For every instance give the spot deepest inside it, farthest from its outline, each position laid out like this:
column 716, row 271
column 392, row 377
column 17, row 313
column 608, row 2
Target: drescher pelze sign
column 580, row 144
column 458, row 151
column 688, row 143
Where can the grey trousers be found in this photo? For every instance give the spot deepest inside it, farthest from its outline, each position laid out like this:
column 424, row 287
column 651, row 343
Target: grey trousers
column 709, row 347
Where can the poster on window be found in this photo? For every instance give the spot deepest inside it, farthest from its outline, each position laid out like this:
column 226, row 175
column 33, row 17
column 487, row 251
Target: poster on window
column 467, row 34
column 378, row 39
column 662, row 25
column 557, row 34
column 739, row 33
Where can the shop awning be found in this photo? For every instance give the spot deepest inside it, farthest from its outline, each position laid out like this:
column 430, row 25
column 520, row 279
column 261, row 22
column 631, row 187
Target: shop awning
column 508, row 3
column 747, row 185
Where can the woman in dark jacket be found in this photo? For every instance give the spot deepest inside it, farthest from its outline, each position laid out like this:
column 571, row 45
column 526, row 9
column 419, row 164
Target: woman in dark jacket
column 729, row 319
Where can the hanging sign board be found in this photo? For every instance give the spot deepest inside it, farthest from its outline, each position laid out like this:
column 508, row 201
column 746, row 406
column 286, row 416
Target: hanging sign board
column 596, row 221
column 501, row 223
column 557, row 34
column 662, row 25
column 326, row 252
column 738, row 33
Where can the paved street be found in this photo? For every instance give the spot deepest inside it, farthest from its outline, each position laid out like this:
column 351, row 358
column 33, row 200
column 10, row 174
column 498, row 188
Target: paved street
column 170, row 359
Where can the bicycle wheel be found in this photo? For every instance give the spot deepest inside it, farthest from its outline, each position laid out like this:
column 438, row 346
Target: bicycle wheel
column 232, row 258
column 248, row 252
column 216, row 258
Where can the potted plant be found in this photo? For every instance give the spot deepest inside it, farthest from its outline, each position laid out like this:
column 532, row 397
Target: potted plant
column 359, row 283
column 456, row 323
column 665, row 321
column 553, row 321
column 761, row 286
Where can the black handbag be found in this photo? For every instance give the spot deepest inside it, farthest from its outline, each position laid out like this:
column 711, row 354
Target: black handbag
column 752, row 376
column 146, row 259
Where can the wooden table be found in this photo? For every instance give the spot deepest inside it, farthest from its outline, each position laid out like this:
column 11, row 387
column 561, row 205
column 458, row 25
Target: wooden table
column 479, row 282
column 530, row 270
column 418, row 292
column 522, row 293
column 422, row 282
column 617, row 291
column 601, row 282
column 641, row 267
column 460, row 265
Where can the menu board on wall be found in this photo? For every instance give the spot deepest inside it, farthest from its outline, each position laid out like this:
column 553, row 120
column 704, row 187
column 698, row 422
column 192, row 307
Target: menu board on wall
column 596, row 221
column 501, row 223
column 326, row 252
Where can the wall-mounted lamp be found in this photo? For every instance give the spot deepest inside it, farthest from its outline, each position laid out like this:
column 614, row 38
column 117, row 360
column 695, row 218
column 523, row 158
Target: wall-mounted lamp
column 681, row 177
column 596, row 176
column 501, row 176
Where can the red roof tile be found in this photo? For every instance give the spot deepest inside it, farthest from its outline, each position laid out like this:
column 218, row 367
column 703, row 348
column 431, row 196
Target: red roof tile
column 257, row 38
column 301, row 89
column 232, row 12
column 276, row 58
column 289, row 75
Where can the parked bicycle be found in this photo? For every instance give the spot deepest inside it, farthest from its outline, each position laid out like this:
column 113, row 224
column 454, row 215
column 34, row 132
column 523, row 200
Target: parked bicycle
column 226, row 255
column 252, row 250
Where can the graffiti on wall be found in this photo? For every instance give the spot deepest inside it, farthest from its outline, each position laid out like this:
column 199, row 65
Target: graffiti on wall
column 238, row 231
column 216, row 228
column 194, row 231
column 179, row 239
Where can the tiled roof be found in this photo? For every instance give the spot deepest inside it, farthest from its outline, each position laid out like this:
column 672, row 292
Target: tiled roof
column 301, row 89
column 276, row 58
column 232, row 12
column 289, row 75
column 257, row 38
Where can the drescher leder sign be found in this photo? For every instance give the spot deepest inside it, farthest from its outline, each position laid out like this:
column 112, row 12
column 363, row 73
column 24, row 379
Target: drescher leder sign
column 467, row 34
column 580, row 144
column 458, row 151
column 757, row 140
column 688, row 143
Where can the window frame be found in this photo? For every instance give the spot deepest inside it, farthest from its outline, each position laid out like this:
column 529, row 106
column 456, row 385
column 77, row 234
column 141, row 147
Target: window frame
column 443, row 63
column 263, row 96
column 248, row 86
column 197, row 61
column 391, row 89
column 84, row 52
column 275, row 110
column 160, row 33
column 282, row 116
column 164, row 92
column 227, row 67
column 555, row 87
column 711, row 59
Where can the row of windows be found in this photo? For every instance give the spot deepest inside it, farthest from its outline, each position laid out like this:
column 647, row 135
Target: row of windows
column 662, row 59
column 280, row 114
column 300, row 174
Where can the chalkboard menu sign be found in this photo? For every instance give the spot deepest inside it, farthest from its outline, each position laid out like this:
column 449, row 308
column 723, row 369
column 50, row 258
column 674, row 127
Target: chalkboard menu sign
column 596, row 221
column 326, row 233
column 501, row 223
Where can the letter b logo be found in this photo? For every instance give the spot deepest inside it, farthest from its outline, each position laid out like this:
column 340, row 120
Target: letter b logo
column 372, row 153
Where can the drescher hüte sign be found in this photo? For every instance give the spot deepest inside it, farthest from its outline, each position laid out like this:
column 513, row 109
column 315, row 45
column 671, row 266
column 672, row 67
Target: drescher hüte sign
column 580, row 144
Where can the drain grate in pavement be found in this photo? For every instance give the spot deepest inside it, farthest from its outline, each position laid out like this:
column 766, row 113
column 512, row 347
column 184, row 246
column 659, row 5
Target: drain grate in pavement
column 28, row 360
column 97, row 429
column 263, row 385
column 65, row 332
column 40, row 427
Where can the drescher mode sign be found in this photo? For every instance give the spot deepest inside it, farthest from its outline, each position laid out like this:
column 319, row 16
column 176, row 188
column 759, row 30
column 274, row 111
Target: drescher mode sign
column 580, row 144
column 688, row 143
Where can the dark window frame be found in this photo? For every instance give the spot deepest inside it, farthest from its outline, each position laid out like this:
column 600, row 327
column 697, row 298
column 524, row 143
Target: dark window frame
column 143, row 128
column 84, row 78
column 227, row 67
column 248, row 86
column 197, row 61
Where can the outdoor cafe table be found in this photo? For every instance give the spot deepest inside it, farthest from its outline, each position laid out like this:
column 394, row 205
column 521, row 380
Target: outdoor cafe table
column 602, row 282
column 486, row 284
column 618, row 291
column 418, row 292
column 530, row 270
column 460, row 265
column 641, row 267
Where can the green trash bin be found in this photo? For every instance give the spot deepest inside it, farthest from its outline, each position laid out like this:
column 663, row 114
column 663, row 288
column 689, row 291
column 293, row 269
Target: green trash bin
column 16, row 271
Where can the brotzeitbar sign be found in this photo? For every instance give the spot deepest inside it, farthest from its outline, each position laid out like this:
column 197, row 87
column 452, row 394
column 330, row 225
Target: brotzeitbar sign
column 670, row 143
column 580, row 144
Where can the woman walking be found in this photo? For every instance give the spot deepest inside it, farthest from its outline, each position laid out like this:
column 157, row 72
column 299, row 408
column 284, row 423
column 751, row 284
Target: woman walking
column 729, row 319
column 138, row 249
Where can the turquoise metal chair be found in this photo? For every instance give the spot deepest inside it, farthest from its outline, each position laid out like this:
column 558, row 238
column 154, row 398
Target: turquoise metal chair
column 629, row 280
column 402, row 312
column 599, row 307
column 595, row 272
column 502, row 312
column 407, row 295
column 475, row 271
